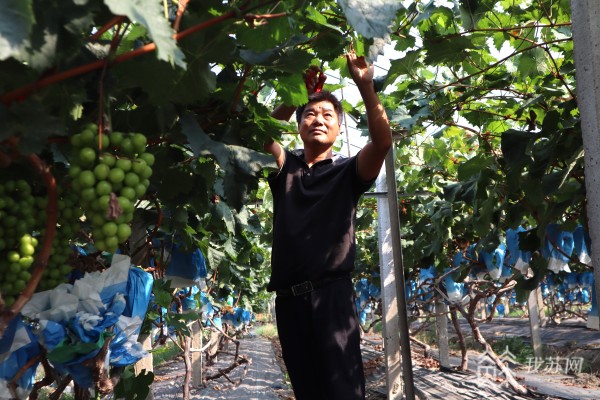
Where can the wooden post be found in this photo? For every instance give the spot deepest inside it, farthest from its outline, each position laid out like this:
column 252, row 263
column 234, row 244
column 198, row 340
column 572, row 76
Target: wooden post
column 534, row 324
column 389, row 304
column 506, row 302
column 541, row 307
column 271, row 310
column 593, row 320
column 196, row 354
column 146, row 362
column 482, row 306
column 441, row 326
column 213, row 348
column 585, row 16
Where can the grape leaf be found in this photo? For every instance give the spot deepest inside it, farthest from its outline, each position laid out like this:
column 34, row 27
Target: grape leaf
column 440, row 52
column 514, row 146
column 406, row 65
column 372, row 19
column 31, row 116
column 133, row 386
column 188, row 86
column 224, row 213
column 241, row 165
column 473, row 166
column 15, row 26
column 150, row 14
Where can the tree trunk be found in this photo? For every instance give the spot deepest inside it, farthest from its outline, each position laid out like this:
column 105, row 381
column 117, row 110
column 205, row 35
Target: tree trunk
column 188, row 367
column 464, row 363
column 489, row 351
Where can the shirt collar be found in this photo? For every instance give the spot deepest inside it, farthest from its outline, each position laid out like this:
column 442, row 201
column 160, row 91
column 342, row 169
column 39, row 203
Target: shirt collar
column 334, row 158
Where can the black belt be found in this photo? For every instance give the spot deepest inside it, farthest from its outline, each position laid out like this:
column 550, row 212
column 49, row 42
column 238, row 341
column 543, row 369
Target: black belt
column 308, row 286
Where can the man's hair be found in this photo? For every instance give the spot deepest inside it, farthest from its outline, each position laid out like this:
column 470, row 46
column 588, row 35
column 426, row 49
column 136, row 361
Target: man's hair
column 323, row 95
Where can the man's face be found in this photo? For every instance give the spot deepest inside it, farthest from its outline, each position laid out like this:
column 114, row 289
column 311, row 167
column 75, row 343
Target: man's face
column 319, row 124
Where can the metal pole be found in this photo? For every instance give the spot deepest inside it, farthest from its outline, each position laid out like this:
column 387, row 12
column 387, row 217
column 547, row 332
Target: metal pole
column 586, row 31
column 407, row 372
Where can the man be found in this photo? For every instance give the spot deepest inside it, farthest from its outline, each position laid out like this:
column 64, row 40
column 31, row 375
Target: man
column 315, row 197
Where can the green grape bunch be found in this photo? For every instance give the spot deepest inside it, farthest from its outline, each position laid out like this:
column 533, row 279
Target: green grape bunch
column 22, row 228
column 69, row 220
column 19, row 217
column 109, row 178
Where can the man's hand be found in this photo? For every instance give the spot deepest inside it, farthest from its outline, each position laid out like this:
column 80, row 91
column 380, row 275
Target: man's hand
column 361, row 72
column 314, row 79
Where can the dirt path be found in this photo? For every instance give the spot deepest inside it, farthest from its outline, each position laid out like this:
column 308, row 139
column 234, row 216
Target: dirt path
column 262, row 378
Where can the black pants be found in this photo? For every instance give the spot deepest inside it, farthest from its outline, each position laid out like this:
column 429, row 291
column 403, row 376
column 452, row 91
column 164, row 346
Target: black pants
column 320, row 340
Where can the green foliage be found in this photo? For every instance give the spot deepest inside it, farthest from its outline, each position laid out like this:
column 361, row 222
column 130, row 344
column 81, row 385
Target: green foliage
column 371, row 20
column 15, row 26
column 494, row 138
column 45, row 393
column 148, row 14
column 522, row 351
column 268, row 331
column 164, row 353
column 179, row 322
column 133, row 386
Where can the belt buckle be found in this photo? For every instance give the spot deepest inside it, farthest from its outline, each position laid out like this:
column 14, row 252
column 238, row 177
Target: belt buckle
column 302, row 288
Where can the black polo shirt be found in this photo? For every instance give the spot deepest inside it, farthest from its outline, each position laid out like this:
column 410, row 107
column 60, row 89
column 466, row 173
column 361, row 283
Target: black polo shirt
column 314, row 217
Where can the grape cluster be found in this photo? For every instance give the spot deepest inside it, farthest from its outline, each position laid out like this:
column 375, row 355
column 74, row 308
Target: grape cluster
column 69, row 219
column 20, row 215
column 22, row 227
column 109, row 178
column 101, row 187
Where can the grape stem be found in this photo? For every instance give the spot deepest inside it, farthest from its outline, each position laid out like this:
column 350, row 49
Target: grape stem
column 117, row 20
column 116, row 40
column 180, row 10
column 240, row 87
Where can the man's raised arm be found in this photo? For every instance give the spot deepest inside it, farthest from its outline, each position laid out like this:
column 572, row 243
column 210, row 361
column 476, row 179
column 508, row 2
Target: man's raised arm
column 372, row 155
column 283, row 113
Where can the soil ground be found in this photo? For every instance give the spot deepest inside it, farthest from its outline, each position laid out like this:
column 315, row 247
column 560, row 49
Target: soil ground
column 263, row 376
